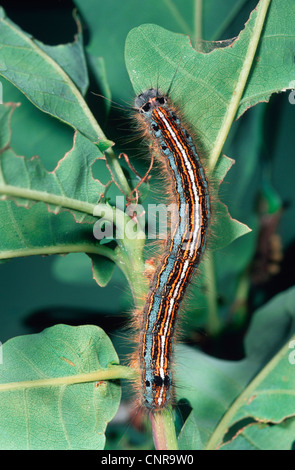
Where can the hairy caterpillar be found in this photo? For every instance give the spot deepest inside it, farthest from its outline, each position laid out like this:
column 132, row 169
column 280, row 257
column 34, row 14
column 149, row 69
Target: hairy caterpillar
column 183, row 248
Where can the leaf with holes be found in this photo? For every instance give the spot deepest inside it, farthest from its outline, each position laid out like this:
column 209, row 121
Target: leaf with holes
column 45, row 228
column 37, row 70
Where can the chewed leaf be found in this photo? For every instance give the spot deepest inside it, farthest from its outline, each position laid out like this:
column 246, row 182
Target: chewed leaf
column 197, row 87
column 63, row 416
column 202, row 85
column 43, row 74
column 261, row 436
column 71, row 58
column 273, row 71
column 102, row 269
column 74, row 269
column 72, row 177
column 45, row 228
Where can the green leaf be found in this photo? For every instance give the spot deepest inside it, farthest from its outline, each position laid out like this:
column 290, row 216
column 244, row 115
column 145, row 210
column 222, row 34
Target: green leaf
column 189, row 437
column 264, row 437
column 225, row 229
column 37, row 232
column 72, row 178
column 176, row 15
column 37, row 70
column 70, row 187
column 74, row 269
column 270, row 325
column 170, row 51
column 192, row 71
column 261, row 387
column 210, row 385
column 64, row 415
column 35, row 138
column 71, row 58
column 98, row 68
column 273, row 70
column 47, row 84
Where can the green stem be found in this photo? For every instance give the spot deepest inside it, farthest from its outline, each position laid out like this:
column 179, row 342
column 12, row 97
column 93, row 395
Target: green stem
column 112, row 373
column 214, row 323
column 178, row 17
column 241, row 83
column 114, row 215
column 213, row 320
column 240, row 302
column 164, row 430
column 224, row 424
column 128, row 257
column 198, row 23
column 48, row 198
column 117, row 172
column 60, row 250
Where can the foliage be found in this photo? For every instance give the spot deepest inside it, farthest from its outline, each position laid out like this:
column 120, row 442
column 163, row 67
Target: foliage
column 63, row 381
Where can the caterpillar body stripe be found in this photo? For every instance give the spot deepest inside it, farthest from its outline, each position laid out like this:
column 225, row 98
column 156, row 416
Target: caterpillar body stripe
column 184, row 245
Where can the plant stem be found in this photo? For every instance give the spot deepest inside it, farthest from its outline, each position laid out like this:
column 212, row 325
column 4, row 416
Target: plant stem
column 114, row 215
column 117, row 171
column 240, row 302
column 214, row 324
column 60, row 250
column 178, row 17
column 198, row 23
column 241, row 83
column 164, row 430
column 48, row 198
column 128, row 257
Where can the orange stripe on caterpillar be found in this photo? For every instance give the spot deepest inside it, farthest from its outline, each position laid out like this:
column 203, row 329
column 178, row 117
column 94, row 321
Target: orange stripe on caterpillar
column 183, row 249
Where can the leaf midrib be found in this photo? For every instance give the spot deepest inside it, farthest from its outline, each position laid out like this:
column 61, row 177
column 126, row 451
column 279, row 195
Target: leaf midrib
column 48, row 198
